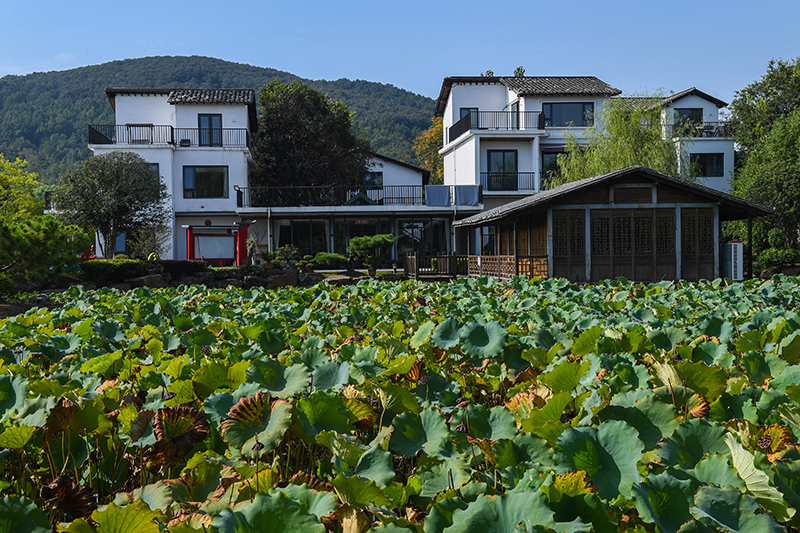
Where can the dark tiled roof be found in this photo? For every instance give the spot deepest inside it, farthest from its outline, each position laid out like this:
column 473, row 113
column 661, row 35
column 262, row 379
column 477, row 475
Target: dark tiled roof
column 731, row 207
column 532, row 85
column 694, row 91
column 559, row 86
column 212, row 96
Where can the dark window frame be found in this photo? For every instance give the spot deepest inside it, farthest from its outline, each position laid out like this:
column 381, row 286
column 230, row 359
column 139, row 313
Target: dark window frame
column 473, row 112
column 688, row 115
column 587, row 112
column 210, row 134
column 190, row 189
column 708, row 165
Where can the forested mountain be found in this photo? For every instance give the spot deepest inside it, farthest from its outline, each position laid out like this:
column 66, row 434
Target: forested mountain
column 44, row 115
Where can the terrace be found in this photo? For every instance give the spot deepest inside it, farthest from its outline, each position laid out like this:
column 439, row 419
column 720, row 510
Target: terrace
column 708, row 130
column 496, row 121
column 356, row 195
column 148, row 134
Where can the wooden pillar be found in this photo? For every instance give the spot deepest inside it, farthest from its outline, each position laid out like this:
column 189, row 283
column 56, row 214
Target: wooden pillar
column 189, row 243
column 677, row 243
column 750, row 244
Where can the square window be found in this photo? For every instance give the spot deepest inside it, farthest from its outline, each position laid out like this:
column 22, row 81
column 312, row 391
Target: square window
column 205, row 182
column 708, row 165
column 568, row 114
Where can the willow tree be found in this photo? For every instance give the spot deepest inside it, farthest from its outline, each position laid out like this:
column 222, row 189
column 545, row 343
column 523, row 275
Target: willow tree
column 627, row 132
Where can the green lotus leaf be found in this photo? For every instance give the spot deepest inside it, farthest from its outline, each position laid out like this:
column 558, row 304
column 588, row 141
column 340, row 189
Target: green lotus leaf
column 20, row 515
column 495, row 424
column 427, row 432
column 584, row 509
column 158, row 496
column 609, row 455
column 565, row 376
column 322, row 411
column 483, row 340
column 90, row 417
column 16, row 436
column 664, row 501
column 757, row 481
column 789, row 348
column 256, row 424
column 69, row 452
column 110, row 332
column 216, row 377
column 653, row 419
column 546, row 422
column 135, row 517
column 726, row 509
column 199, row 483
column 278, row 380
column 708, row 381
column 317, row 503
column 358, row 492
column 13, row 391
column 35, row 411
column 496, row 514
column 422, row 334
column 446, row 335
column 66, row 343
column 587, row 341
column 436, row 478
column 376, row 465
column 102, row 363
column 715, row 470
column 346, row 447
column 397, row 399
column 216, row 408
column 178, row 429
column 331, row 375
column 691, row 441
column 666, row 339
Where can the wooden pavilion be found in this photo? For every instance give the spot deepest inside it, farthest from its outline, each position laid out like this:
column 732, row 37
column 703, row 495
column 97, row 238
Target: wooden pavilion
column 634, row 222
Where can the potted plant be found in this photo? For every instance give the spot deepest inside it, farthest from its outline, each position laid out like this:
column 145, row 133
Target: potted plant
column 371, row 250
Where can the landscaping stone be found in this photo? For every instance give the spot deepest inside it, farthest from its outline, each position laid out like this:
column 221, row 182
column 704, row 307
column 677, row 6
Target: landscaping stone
column 151, row 280
column 254, row 281
column 310, row 279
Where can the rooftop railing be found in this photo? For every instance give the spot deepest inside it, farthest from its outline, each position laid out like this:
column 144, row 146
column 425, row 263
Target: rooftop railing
column 147, row 134
column 496, row 120
column 701, row 130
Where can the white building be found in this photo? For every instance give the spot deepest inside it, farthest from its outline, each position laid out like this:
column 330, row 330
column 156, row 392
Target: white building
column 505, row 133
column 200, row 141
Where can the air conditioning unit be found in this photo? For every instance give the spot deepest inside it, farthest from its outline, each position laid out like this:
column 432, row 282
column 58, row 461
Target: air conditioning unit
column 733, row 261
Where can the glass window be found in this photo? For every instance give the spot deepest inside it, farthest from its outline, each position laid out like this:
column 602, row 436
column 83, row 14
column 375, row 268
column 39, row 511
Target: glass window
column 205, row 182
column 373, row 180
column 575, row 114
column 689, row 115
column 210, row 126
column 473, row 112
column 708, row 165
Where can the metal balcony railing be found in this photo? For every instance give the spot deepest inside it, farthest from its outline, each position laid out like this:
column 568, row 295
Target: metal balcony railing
column 327, row 196
column 701, row 130
column 508, row 181
column 161, row 134
column 496, row 120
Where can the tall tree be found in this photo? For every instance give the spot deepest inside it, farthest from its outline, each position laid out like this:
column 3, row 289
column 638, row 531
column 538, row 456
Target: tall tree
column 113, row 193
column 771, row 175
column 757, row 107
column 627, row 132
column 305, row 138
column 427, row 147
column 16, row 191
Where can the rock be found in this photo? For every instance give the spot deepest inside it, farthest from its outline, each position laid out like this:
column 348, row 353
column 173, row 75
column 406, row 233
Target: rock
column 292, row 272
column 123, row 287
column 286, row 280
column 793, row 270
column 254, row 281
column 153, row 281
column 230, row 282
column 202, row 278
column 272, row 272
column 310, row 279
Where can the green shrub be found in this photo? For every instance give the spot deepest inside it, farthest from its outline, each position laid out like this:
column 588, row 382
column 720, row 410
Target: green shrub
column 778, row 257
column 113, row 270
column 776, row 238
column 237, row 272
column 329, row 260
column 371, row 249
column 39, row 249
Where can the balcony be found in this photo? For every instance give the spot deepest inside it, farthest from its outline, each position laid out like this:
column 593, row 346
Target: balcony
column 497, row 121
column 707, row 130
column 147, row 134
column 508, row 181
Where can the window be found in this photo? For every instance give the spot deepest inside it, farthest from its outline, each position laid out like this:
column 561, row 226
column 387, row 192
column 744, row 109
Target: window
column 502, row 171
column 689, row 116
column 708, row 165
column 574, row 114
column 205, row 182
column 373, row 180
column 210, row 129
column 472, row 112
column 550, row 170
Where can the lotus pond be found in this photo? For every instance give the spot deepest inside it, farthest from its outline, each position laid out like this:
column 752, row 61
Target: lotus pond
column 535, row 405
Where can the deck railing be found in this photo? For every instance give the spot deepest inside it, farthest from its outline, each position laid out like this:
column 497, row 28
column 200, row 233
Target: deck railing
column 508, row 181
column 327, row 196
column 704, row 130
column 160, row 134
column 496, row 120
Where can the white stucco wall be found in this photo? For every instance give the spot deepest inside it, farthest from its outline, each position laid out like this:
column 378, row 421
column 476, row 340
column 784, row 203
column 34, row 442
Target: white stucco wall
column 237, row 175
column 144, row 109
column 466, row 163
column 233, row 116
column 493, row 97
column 710, row 110
column 394, row 174
column 713, row 146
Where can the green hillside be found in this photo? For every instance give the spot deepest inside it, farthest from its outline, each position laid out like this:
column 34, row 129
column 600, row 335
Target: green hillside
column 44, row 115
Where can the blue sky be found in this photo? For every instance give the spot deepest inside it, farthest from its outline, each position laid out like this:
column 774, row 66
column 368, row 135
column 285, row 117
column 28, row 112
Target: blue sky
column 637, row 46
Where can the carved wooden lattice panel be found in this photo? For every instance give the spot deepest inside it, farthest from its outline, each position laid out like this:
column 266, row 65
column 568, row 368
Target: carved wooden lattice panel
column 705, row 234
column 560, row 236
column 622, row 235
column 688, row 241
column 665, row 235
column 577, row 238
column 601, row 236
column 643, row 235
